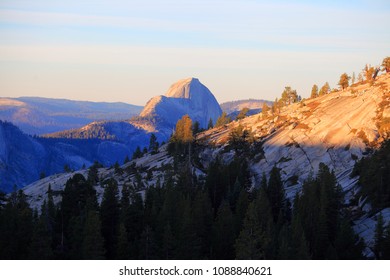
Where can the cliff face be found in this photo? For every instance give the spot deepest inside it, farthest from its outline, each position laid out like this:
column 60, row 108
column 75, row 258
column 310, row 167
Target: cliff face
column 336, row 129
column 187, row 96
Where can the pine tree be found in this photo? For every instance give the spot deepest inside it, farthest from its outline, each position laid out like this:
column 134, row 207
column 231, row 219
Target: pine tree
column 169, row 243
column 252, row 242
column 344, row 81
column 386, row 243
column 242, row 114
column 109, row 215
column 147, row 244
column 222, row 120
column 379, row 237
column 17, row 227
column 123, row 248
column 265, row 110
column 386, row 64
column 314, row 91
column 196, row 128
column 93, row 176
column 183, row 132
column 153, row 144
column 369, row 72
column 325, row 89
column 276, row 194
column 210, row 124
column 93, row 247
column 223, row 232
column 299, row 243
column 240, row 210
column 348, row 244
column 289, row 96
column 137, row 153
column 202, row 220
column 40, row 247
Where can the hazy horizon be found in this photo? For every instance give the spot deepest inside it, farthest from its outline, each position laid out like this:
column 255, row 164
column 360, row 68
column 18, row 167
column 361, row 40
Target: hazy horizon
column 120, row 51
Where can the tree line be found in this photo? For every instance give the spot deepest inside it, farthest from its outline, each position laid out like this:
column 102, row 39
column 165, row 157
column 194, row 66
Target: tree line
column 183, row 218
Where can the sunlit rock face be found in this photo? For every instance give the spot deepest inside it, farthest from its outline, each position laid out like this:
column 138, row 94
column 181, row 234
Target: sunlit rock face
column 187, row 96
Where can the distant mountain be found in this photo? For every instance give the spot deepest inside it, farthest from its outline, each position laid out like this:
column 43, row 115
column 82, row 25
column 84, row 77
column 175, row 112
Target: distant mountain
column 238, row 105
column 23, row 158
column 37, row 115
column 105, row 141
column 187, row 96
column 159, row 116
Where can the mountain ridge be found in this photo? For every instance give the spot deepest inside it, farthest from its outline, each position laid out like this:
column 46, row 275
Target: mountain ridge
column 40, row 115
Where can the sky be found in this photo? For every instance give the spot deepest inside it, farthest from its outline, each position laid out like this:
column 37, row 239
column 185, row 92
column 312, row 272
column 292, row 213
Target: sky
column 129, row 51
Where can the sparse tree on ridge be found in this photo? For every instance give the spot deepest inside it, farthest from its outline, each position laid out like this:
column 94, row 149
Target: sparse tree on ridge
column 265, row 109
column 289, row 96
column 369, row 72
column 325, row 89
column 243, row 113
column 386, row 64
column 222, row 120
column 353, row 79
column 314, row 91
column 344, row 81
column 183, row 132
column 210, row 124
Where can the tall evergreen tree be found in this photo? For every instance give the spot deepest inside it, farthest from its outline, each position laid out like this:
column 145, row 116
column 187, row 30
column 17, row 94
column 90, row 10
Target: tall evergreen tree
column 109, row 215
column 153, row 143
column 344, row 81
column 379, row 237
column 314, row 91
column 222, row 120
column 252, row 242
column 276, row 194
column 41, row 240
column 223, row 233
column 123, row 248
column 93, row 243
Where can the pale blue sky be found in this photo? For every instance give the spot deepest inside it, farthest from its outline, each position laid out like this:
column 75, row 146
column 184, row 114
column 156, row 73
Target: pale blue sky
column 132, row 50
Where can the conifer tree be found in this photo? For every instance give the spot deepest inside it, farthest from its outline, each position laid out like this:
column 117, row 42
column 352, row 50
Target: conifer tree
column 252, row 242
column 137, row 153
column 169, row 243
column 265, row 110
column 210, row 124
column 109, row 215
column 40, row 247
column 240, row 210
column 386, row 64
column 196, row 128
column 123, row 248
column 325, row 89
column 348, row 244
column 379, row 237
column 153, row 144
column 93, row 243
column 386, row 243
column 223, row 233
column 222, row 120
column 242, row 114
column 314, row 91
column 147, row 244
column 344, row 81
column 276, row 194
